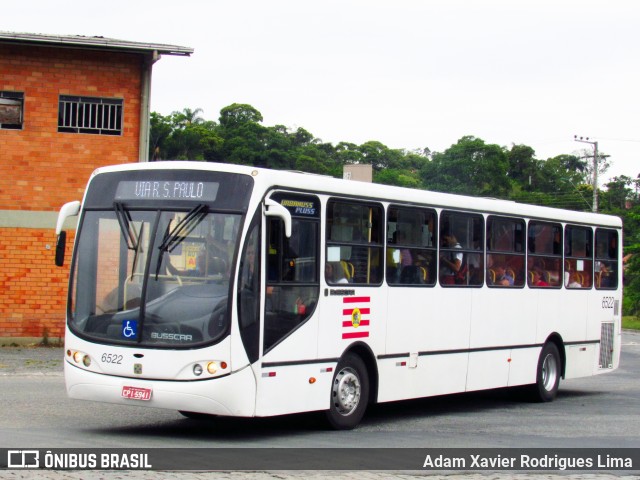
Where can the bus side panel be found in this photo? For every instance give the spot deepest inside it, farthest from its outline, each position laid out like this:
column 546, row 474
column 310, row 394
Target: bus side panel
column 422, row 321
column 562, row 314
column 340, row 326
column 488, row 370
column 502, row 318
column 427, row 319
column 581, row 360
column 432, row 375
column 523, row 366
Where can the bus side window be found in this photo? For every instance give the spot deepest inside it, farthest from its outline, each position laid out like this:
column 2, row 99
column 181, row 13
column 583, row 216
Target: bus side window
column 461, row 249
column 505, row 252
column 355, row 241
column 606, row 265
column 411, row 249
column 544, row 259
column 578, row 257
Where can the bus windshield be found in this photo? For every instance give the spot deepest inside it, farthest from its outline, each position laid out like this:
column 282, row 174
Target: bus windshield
column 153, row 277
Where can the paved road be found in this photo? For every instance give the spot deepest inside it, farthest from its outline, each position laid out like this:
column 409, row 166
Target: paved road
column 592, row 412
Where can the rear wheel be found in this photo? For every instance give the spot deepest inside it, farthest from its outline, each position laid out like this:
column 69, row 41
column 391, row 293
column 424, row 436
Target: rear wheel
column 548, row 375
column 349, row 393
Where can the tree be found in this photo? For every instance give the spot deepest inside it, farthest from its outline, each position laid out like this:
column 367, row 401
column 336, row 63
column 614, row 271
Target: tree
column 188, row 117
column 238, row 114
column 618, row 191
column 161, row 129
column 523, row 168
column 470, row 167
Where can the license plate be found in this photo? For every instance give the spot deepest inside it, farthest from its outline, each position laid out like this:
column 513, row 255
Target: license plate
column 136, row 393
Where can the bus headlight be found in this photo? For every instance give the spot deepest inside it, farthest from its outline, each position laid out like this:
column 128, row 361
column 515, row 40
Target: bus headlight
column 79, row 357
column 209, row 368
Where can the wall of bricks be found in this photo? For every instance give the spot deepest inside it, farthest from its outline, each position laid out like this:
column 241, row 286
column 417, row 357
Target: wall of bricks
column 32, row 289
column 41, row 169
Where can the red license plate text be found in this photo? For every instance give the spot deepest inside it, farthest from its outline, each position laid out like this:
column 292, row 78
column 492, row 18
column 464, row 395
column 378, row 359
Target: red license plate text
column 136, row 393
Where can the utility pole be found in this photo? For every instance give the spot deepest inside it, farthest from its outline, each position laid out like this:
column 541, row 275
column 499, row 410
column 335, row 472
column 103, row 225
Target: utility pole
column 594, row 207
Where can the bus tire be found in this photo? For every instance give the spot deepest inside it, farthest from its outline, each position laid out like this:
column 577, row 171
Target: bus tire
column 548, row 374
column 349, row 393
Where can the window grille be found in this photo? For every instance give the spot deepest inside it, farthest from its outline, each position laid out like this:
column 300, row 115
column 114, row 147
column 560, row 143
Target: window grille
column 11, row 110
column 100, row 116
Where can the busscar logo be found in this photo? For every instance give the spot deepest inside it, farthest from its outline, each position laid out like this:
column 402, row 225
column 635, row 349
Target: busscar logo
column 23, row 459
column 179, row 337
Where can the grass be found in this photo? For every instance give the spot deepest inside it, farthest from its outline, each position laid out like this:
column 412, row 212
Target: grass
column 631, row 323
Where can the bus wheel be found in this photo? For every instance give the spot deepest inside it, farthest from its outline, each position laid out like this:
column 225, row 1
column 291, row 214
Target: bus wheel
column 349, row 393
column 548, row 376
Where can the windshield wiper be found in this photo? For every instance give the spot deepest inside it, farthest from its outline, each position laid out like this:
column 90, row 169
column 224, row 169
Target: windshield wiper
column 174, row 236
column 128, row 232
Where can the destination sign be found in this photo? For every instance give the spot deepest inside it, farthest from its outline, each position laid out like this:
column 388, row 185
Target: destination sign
column 167, row 190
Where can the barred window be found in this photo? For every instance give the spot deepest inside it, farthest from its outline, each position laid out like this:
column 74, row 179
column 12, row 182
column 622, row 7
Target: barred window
column 100, row 116
column 11, row 110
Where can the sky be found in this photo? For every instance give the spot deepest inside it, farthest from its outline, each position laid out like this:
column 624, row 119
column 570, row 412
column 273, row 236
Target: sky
column 411, row 74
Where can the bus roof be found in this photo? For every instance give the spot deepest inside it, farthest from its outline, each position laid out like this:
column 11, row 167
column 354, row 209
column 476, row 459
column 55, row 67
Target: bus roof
column 267, row 179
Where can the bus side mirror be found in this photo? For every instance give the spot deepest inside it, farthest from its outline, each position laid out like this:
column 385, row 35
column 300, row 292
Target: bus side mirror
column 70, row 209
column 274, row 209
column 61, row 243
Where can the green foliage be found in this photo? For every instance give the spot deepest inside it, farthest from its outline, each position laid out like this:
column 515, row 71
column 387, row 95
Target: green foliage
column 470, row 167
column 631, row 323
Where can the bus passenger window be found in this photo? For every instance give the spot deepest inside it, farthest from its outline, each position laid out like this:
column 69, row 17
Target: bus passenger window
column 411, row 248
column 461, row 249
column 544, row 261
column 606, row 265
column 505, row 252
column 578, row 257
column 354, row 242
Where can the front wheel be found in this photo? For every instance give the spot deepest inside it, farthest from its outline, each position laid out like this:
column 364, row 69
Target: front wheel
column 548, row 375
column 349, row 393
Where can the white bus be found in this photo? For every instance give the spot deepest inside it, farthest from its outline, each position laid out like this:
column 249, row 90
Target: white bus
column 229, row 290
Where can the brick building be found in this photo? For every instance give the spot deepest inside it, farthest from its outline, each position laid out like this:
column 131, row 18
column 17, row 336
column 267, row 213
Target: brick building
column 68, row 104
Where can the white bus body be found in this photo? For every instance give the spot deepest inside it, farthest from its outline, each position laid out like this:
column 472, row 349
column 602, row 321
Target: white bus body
column 258, row 328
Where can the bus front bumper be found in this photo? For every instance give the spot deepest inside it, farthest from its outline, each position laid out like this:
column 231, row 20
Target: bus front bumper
column 231, row 395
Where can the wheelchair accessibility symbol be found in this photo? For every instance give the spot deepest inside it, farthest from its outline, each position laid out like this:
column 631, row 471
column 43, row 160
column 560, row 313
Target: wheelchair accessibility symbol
column 129, row 328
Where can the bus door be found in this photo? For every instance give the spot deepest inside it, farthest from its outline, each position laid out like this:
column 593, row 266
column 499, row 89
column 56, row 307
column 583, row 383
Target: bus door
column 289, row 332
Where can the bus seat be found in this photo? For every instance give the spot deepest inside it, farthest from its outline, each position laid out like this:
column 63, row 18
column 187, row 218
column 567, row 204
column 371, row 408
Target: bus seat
column 491, row 276
column 425, row 274
column 349, row 270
